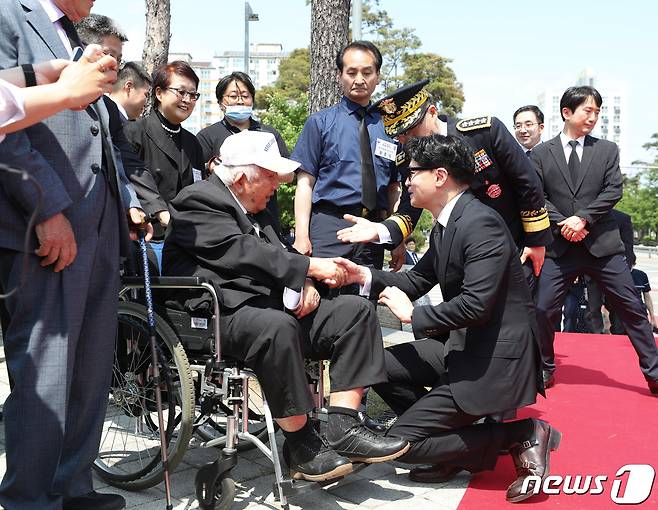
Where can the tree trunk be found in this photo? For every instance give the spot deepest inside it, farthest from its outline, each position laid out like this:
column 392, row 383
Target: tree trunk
column 329, row 29
column 156, row 43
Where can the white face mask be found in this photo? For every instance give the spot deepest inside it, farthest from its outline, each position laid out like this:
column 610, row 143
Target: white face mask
column 238, row 113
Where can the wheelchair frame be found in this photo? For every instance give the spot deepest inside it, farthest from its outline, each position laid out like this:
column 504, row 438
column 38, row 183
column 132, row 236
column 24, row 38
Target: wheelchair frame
column 213, row 486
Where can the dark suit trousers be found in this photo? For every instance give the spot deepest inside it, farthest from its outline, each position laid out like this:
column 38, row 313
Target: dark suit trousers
column 59, row 346
column 613, row 277
column 439, row 431
column 273, row 343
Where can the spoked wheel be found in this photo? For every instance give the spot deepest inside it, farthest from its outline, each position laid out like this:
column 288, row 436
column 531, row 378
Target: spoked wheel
column 130, row 452
column 212, row 425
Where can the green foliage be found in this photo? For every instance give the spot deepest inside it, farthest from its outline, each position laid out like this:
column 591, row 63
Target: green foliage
column 293, row 81
column 422, row 230
column 640, row 199
column 287, row 116
column 443, row 84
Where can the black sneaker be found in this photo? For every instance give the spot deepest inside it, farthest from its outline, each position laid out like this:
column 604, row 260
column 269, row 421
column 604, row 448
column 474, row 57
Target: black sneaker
column 371, row 424
column 361, row 445
column 315, row 461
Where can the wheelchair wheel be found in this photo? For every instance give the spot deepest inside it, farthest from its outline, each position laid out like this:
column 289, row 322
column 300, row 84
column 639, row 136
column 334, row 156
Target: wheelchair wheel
column 130, row 452
column 214, row 425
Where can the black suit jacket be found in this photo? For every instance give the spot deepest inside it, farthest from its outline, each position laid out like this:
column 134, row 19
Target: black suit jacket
column 487, row 319
column 210, row 236
column 170, row 169
column 625, row 225
column 592, row 197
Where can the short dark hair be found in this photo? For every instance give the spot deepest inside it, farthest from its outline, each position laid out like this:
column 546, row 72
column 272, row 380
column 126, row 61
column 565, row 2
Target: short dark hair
column 573, row 97
column 94, row 27
column 162, row 77
column 224, row 82
column 448, row 152
column 132, row 71
column 530, row 108
column 360, row 45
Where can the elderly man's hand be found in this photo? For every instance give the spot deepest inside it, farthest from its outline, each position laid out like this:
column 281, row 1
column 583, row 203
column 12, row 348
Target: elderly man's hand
column 536, row 254
column 363, row 231
column 56, row 242
column 137, row 221
column 354, row 273
column 310, row 300
column 327, row 271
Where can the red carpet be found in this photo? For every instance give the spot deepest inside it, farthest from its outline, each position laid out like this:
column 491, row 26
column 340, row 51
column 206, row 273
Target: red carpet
column 608, row 419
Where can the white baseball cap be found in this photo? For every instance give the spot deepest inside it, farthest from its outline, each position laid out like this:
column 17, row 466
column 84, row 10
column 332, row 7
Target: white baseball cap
column 255, row 148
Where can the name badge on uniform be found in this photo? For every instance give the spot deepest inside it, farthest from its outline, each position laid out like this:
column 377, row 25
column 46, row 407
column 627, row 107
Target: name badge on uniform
column 196, row 174
column 386, row 150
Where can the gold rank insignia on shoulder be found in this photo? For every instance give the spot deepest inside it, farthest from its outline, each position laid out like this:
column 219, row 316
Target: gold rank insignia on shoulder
column 400, row 158
column 474, row 123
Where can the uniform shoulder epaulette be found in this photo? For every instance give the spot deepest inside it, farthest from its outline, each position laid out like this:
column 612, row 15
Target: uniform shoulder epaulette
column 474, row 123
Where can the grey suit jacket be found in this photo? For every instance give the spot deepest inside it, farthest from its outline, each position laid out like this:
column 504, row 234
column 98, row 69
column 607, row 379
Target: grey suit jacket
column 596, row 191
column 63, row 153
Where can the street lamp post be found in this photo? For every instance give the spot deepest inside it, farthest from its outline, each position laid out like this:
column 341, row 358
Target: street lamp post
column 249, row 15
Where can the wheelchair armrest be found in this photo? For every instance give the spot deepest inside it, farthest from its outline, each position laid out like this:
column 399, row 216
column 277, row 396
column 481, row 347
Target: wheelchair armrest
column 166, row 281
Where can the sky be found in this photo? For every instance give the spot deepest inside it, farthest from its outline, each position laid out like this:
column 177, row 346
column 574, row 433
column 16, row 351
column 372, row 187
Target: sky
column 504, row 53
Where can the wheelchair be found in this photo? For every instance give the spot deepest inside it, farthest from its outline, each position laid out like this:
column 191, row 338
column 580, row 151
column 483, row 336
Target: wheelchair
column 202, row 392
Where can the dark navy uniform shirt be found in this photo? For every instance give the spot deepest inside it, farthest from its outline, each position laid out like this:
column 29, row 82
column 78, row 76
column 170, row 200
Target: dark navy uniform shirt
column 328, row 149
column 505, row 180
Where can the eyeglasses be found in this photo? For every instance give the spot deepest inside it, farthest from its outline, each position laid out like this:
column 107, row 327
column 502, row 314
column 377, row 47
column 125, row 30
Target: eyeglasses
column 118, row 58
column 526, row 125
column 235, row 97
column 415, row 170
column 192, row 96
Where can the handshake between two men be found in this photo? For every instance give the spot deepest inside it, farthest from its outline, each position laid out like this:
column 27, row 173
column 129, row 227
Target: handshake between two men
column 340, row 272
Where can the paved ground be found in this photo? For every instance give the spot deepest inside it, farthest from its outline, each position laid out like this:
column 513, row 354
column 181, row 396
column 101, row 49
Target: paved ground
column 384, row 486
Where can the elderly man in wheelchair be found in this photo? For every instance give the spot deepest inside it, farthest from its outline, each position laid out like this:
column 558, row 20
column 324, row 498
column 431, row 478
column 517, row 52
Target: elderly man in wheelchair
column 272, row 315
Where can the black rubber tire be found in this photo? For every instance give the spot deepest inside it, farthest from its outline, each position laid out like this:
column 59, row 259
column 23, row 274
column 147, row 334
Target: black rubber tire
column 131, row 411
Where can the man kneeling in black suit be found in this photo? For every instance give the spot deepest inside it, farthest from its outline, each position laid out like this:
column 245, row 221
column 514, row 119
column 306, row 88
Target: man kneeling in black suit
column 479, row 353
column 272, row 316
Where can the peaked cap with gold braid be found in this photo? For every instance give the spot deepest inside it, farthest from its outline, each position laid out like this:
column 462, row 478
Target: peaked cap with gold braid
column 404, row 108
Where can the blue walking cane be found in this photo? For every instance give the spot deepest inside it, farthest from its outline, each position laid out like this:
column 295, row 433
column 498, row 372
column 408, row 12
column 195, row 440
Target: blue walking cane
column 154, row 356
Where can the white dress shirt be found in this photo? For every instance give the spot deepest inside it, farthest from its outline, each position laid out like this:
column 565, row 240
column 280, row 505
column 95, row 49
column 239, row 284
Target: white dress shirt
column 564, row 139
column 54, row 13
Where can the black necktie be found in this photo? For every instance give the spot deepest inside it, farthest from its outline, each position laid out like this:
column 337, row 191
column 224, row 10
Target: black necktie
column 74, row 38
column 527, row 153
column 368, row 182
column 574, row 162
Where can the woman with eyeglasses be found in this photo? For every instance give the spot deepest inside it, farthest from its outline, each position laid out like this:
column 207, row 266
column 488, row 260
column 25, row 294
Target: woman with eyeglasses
column 173, row 155
column 235, row 94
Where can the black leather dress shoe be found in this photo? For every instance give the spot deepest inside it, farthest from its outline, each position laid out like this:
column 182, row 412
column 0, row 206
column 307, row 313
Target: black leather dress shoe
column 653, row 386
column 309, row 462
column 532, row 458
column 95, row 501
column 370, row 424
column 361, row 445
column 549, row 378
column 436, row 473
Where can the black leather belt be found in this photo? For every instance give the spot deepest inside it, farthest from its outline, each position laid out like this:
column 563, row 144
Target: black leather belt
column 355, row 210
